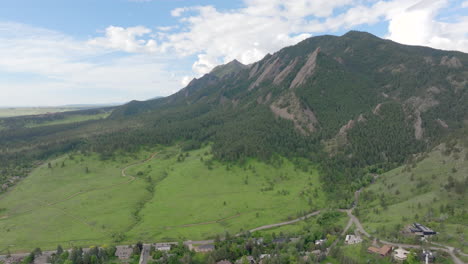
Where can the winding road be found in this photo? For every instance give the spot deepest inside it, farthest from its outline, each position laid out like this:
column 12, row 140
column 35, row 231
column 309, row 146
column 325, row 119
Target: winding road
column 360, row 228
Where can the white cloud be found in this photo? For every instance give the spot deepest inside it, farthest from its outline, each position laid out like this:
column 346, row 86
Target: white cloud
column 48, row 68
column 186, row 80
column 211, row 36
column 417, row 25
column 126, row 39
column 264, row 26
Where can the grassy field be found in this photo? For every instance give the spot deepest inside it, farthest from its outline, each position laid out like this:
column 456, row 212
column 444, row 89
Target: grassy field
column 172, row 197
column 196, row 200
column 418, row 193
column 70, row 119
column 22, row 111
column 303, row 226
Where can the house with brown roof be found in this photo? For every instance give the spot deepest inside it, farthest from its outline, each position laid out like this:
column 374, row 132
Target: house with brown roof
column 123, row 252
column 383, row 251
column 204, row 248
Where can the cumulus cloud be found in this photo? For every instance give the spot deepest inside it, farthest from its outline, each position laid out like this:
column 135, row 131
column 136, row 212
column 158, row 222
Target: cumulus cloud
column 126, row 39
column 212, row 36
column 55, row 69
column 417, row 25
column 264, row 26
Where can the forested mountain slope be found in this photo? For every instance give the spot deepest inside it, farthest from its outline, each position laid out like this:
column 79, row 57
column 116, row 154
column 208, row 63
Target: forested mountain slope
column 354, row 104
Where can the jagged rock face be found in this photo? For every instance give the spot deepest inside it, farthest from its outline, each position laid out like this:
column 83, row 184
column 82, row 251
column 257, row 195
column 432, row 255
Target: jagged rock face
column 268, row 71
column 418, row 130
column 442, row 123
column 285, row 72
column 453, row 62
column 306, row 71
column 335, row 84
column 289, row 107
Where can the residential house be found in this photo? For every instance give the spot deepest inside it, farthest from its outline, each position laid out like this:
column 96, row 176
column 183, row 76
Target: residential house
column 123, row 252
column 383, row 251
column 352, row 239
column 320, row 242
column 164, row 246
column 401, row 254
column 422, row 230
column 204, row 248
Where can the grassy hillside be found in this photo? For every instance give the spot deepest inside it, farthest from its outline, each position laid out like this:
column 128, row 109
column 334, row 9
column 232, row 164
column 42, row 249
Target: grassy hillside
column 23, row 111
column 70, row 119
column 430, row 189
column 176, row 195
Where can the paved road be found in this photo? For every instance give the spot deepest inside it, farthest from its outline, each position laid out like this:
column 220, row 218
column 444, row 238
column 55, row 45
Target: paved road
column 144, row 256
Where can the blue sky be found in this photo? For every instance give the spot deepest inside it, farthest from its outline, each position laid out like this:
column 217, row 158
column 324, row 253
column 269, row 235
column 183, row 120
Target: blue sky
column 57, row 52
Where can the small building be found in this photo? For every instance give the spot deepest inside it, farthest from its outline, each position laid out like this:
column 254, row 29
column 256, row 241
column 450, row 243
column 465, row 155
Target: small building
column 427, row 256
column 352, row 239
column 164, row 246
column 422, row 230
column 123, row 252
column 258, row 241
column 383, row 251
column 320, row 242
column 204, row 248
column 280, row 240
column 401, row 254
column 263, row 258
column 294, row 239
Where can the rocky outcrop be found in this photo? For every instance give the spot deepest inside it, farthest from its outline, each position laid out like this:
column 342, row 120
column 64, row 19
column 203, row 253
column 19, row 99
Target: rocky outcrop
column 307, row 70
column 442, row 123
column 418, row 130
column 459, row 82
column 421, row 104
column 377, row 109
column 418, row 105
column 344, row 129
column 285, row 72
column 453, row 62
column 268, row 71
column 289, row 107
column 361, row 118
column 254, row 70
column 434, row 90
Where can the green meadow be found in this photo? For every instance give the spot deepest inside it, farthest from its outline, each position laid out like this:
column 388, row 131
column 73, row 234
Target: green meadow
column 419, row 192
column 82, row 200
column 22, row 111
column 70, row 119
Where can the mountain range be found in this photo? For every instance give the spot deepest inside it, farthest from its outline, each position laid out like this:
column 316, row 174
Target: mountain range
column 353, row 103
